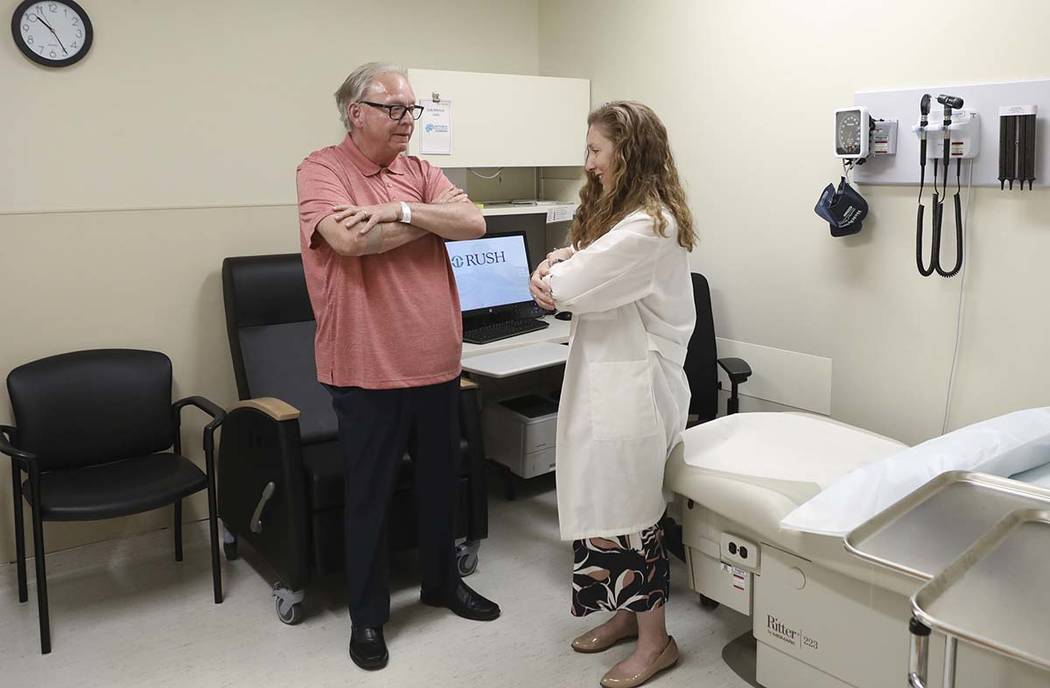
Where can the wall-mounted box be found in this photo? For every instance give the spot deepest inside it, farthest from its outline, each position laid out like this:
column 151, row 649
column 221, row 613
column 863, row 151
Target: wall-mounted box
column 507, row 120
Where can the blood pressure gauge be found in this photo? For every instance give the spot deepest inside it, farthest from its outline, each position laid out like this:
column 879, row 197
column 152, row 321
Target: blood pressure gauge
column 852, row 132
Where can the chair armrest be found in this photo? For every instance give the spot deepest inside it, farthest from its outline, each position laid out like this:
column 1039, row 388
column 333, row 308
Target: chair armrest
column 275, row 408
column 210, row 407
column 218, row 416
column 19, row 455
column 260, row 444
column 736, row 368
column 738, row 371
column 464, row 383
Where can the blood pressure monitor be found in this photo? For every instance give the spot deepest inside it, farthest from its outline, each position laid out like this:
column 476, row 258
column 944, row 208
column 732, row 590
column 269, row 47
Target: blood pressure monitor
column 852, row 132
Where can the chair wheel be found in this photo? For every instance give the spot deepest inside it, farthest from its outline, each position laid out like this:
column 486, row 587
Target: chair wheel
column 706, row 602
column 290, row 614
column 288, row 604
column 467, row 564
column 467, row 558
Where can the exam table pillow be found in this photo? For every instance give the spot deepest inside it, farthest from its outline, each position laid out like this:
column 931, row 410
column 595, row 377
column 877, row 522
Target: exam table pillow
column 1038, row 476
column 1004, row 446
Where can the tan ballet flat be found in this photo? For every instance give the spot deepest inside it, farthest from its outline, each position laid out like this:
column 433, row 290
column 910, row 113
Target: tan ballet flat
column 667, row 659
column 591, row 642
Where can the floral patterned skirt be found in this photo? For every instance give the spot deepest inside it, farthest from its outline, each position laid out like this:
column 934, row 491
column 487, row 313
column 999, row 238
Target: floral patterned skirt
column 629, row 572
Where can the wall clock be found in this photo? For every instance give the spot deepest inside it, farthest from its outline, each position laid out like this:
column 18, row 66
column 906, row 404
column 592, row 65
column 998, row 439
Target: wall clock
column 52, row 33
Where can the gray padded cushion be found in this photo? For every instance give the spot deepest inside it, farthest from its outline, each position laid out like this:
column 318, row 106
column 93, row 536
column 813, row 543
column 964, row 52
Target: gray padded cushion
column 279, row 362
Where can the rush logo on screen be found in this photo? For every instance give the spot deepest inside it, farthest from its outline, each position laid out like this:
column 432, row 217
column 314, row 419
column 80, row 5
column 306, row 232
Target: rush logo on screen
column 486, row 258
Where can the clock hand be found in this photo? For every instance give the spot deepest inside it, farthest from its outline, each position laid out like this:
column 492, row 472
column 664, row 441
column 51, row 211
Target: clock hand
column 41, row 18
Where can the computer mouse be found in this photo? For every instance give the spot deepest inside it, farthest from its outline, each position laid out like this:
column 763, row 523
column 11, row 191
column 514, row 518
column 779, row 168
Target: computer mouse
column 563, row 315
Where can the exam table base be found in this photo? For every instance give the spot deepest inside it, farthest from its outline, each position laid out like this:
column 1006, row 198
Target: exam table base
column 860, row 630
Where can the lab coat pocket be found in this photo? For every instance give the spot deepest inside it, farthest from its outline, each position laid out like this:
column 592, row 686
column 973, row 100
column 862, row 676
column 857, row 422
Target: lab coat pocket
column 622, row 403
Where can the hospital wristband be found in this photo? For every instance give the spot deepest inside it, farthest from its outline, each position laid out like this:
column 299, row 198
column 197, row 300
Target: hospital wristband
column 406, row 213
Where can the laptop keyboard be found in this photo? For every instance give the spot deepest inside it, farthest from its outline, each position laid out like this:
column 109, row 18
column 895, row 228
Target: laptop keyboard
column 502, row 330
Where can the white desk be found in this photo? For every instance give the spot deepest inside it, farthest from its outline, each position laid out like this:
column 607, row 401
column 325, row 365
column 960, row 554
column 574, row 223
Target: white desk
column 507, row 358
column 523, row 359
column 519, row 354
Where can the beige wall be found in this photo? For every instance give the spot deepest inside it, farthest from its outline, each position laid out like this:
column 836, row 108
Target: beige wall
column 747, row 90
column 212, row 104
column 197, row 112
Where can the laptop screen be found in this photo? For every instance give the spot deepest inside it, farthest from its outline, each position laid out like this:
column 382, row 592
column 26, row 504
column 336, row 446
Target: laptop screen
column 491, row 271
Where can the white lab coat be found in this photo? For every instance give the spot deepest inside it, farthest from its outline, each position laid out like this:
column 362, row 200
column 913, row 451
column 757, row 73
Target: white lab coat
column 625, row 397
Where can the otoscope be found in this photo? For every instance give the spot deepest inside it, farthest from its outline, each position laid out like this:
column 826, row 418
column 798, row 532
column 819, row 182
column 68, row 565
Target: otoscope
column 948, row 102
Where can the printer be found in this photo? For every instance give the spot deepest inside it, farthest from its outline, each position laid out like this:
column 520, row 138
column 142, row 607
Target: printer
column 520, row 434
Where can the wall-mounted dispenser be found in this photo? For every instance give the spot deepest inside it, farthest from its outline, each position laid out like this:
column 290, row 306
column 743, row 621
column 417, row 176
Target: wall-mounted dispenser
column 1017, row 144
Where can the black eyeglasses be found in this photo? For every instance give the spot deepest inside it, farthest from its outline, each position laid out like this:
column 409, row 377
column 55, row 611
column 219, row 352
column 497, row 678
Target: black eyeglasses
column 397, row 111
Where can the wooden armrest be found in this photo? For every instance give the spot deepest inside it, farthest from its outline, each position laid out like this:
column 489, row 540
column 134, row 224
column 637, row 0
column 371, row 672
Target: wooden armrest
column 464, row 383
column 275, row 408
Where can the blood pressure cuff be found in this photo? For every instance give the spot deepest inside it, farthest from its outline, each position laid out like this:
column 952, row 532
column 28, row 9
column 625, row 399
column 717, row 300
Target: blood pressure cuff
column 843, row 208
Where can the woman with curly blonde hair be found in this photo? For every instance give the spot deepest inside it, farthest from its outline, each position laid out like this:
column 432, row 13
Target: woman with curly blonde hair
column 625, row 397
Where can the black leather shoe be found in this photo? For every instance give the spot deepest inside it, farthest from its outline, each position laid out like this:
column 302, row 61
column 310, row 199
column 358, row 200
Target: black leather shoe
column 466, row 603
column 367, row 647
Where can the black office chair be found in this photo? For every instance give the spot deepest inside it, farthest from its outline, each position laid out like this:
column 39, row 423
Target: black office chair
column 701, row 369
column 702, row 363
column 281, row 477
column 98, row 436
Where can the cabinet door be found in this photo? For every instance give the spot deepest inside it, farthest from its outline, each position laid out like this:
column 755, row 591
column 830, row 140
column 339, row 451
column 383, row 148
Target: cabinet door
column 507, row 120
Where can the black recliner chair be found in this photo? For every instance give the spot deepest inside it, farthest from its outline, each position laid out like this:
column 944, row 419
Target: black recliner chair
column 281, row 471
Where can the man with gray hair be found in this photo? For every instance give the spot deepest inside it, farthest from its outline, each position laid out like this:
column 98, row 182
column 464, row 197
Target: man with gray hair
column 389, row 339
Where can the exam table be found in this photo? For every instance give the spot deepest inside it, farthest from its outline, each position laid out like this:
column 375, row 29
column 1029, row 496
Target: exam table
column 822, row 616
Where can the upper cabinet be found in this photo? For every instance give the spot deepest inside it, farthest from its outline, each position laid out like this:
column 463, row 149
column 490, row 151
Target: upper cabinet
column 505, row 120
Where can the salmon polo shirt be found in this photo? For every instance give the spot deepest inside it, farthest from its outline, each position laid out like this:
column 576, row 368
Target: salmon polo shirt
column 388, row 320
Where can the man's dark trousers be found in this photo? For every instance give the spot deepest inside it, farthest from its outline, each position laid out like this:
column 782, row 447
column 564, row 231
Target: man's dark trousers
column 376, row 426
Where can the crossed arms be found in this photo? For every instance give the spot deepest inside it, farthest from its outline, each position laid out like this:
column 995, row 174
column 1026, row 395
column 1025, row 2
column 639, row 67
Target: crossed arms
column 366, row 230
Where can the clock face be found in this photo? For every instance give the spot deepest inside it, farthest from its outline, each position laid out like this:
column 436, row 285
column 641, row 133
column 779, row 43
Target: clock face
column 55, row 34
column 847, row 134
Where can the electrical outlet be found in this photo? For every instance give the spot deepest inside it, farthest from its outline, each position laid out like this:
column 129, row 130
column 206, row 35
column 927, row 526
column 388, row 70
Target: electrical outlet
column 738, row 551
